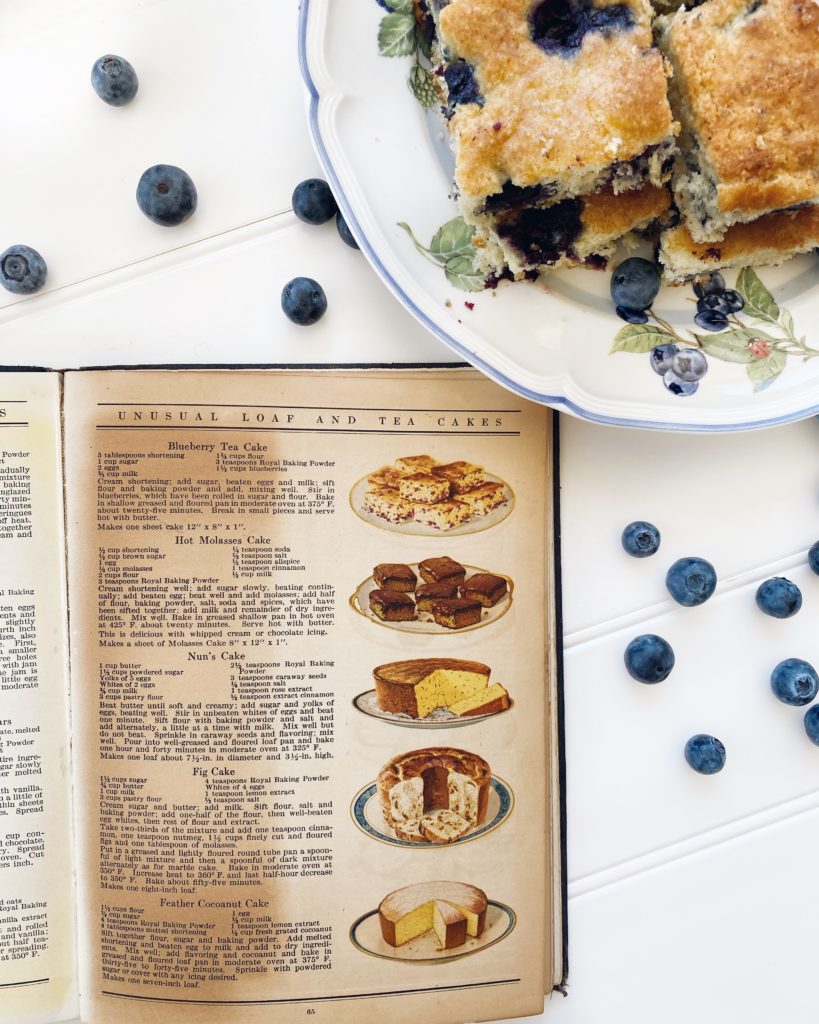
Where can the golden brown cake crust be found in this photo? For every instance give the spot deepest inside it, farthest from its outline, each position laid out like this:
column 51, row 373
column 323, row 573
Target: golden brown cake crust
column 546, row 115
column 776, row 235
column 752, row 82
column 403, row 901
column 410, row 673
column 606, row 215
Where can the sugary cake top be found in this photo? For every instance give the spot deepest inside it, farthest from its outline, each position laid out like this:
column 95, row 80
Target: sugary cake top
column 564, row 86
column 403, row 901
column 749, row 69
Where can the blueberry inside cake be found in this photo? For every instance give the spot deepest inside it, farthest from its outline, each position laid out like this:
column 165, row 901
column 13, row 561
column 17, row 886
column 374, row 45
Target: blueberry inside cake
column 539, row 101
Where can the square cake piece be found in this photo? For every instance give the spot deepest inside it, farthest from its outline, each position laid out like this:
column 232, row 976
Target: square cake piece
column 765, row 242
column 547, row 100
column 462, row 476
column 746, row 88
column 443, row 515
column 395, row 576
column 423, row 487
column 485, row 587
column 415, row 463
column 387, row 504
column 442, row 570
column 481, row 500
column 428, row 593
column 456, row 612
column 392, row 605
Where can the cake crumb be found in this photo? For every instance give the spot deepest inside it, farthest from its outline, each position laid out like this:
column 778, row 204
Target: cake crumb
column 469, row 305
column 448, row 303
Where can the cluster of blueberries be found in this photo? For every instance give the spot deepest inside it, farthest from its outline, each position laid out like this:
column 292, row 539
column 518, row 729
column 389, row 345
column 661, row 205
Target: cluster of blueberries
column 303, row 299
column 691, row 581
column 634, row 287
column 165, row 194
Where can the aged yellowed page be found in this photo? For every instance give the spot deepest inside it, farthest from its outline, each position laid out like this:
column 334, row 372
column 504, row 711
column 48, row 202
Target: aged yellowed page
column 37, row 949
column 255, row 843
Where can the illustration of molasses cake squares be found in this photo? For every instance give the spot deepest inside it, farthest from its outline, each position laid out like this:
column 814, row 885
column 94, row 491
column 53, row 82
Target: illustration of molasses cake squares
column 550, row 100
column 443, row 515
column 746, row 83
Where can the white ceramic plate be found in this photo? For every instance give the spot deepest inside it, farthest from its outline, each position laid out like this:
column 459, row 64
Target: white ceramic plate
column 387, row 162
column 365, row 935
column 425, row 623
column 367, row 704
column 369, row 817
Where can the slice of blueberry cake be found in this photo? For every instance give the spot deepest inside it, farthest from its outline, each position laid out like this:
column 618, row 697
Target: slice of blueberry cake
column 570, row 232
column 547, row 101
column 765, row 242
column 746, row 89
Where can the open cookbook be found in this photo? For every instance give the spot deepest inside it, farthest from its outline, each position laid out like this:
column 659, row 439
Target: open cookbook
column 281, row 729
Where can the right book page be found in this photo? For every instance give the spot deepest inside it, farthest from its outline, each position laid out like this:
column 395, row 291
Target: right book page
column 312, row 703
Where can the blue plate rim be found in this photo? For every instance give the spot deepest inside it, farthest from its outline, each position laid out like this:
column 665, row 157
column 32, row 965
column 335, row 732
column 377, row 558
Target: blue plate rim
column 554, row 401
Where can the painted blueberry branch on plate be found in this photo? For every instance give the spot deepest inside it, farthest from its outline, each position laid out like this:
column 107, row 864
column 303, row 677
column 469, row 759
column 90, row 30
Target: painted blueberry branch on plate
column 451, row 248
column 743, row 324
column 399, row 35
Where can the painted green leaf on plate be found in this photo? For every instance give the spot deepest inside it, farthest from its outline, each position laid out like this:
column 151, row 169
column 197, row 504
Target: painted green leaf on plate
column 640, row 338
column 758, row 300
column 396, row 36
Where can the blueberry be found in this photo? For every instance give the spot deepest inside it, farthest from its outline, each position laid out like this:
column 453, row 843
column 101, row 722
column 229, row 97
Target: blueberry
column 631, row 316
column 813, row 558
column 313, row 202
column 711, row 320
column 661, row 356
column 794, row 682
column 344, row 232
column 690, row 581
column 649, row 658
column 304, row 301
column 690, row 364
column 779, row 597
column 462, row 86
column 734, row 299
column 812, row 724
column 635, row 283
column 114, row 80
column 714, row 303
column 22, row 270
column 677, row 386
column 713, row 284
column 166, row 195
column 705, row 754
column 641, row 539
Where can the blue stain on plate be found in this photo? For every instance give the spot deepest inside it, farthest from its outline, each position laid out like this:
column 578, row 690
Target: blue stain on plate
column 499, row 787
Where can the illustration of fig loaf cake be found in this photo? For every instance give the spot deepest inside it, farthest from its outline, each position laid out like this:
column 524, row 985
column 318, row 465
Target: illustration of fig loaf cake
column 453, row 910
column 436, row 794
column 421, row 686
column 418, row 488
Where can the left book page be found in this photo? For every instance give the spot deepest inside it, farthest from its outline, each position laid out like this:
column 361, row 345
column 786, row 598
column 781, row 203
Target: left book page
column 37, row 948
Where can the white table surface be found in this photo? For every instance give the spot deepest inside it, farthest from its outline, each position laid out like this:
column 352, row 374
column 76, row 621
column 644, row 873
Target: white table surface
column 689, row 898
